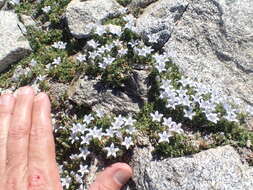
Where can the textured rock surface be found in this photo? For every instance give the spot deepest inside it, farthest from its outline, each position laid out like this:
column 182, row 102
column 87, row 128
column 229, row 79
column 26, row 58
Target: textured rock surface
column 2, row 3
column 95, row 94
column 213, row 41
column 160, row 19
column 81, row 14
column 13, row 45
column 140, row 3
column 219, row 168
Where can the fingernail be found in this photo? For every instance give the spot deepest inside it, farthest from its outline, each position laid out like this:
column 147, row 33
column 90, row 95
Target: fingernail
column 6, row 99
column 39, row 96
column 25, row 90
column 121, row 177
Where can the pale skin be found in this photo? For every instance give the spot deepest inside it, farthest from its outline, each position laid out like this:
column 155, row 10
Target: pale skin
column 27, row 148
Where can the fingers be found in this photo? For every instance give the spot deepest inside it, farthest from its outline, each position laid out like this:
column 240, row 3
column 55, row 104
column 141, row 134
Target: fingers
column 43, row 170
column 113, row 177
column 7, row 102
column 18, row 139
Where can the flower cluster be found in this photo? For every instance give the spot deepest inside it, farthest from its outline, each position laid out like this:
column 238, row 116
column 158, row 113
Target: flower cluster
column 192, row 95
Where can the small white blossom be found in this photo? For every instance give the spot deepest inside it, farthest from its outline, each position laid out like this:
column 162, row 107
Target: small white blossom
column 84, row 152
column 59, row 45
column 57, row 61
column 129, row 121
column 92, row 43
column 46, row 9
column 213, row 117
column 153, row 38
column 127, row 142
column 33, row 63
column 160, row 67
column 100, row 113
column 164, row 137
column 100, row 30
column 83, row 170
column 156, row 116
column 81, row 58
column 189, row 113
column 111, row 151
column 88, row 118
column 66, row 181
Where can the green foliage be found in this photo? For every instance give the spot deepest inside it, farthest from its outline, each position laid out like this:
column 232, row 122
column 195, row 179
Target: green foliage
column 178, row 146
column 115, row 21
column 124, row 2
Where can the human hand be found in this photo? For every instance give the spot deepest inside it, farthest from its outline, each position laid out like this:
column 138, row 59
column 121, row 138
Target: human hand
column 27, row 149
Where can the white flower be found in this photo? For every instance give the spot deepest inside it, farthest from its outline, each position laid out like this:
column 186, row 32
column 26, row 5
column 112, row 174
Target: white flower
column 160, row 58
column 108, row 60
column 133, row 43
column 85, row 139
column 146, row 50
column 156, row 116
column 73, row 137
column 57, row 61
column 92, row 43
column 100, row 30
column 153, row 38
column 212, row 117
column 102, row 65
column 96, row 133
column 129, row 121
column 41, row 77
column 66, row 181
column 46, row 9
column 231, row 116
column 81, row 58
column 84, row 152
column 83, row 170
column 127, row 142
column 189, row 113
column 122, row 51
column 167, row 121
column 87, row 119
column 74, row 156
column 117, row 43
column 59, row 45
column 111, row 151
column 109, row 132
column 114, row 29
column 93, row 55
column 117, row 124
column 160, row 67
column 164, row 137
column 100, row 113
column 130, row 130
column 33, row 63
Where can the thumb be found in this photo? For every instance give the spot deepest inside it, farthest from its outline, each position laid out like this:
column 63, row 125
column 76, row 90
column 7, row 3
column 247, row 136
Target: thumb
column 113, row 177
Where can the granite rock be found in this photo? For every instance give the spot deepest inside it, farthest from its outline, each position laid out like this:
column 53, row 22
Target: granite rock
column 213, row 42
column 219, row 168
column 13, row 44
column 82, row 16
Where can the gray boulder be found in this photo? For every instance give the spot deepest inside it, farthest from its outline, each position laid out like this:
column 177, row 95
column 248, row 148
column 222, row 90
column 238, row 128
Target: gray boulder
column 82, row 15
column 140, row 3
column 160, row 18
column 219, row 168
column 13, row 45
column 96, row 95
column 2, row 3
column 213, row 42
